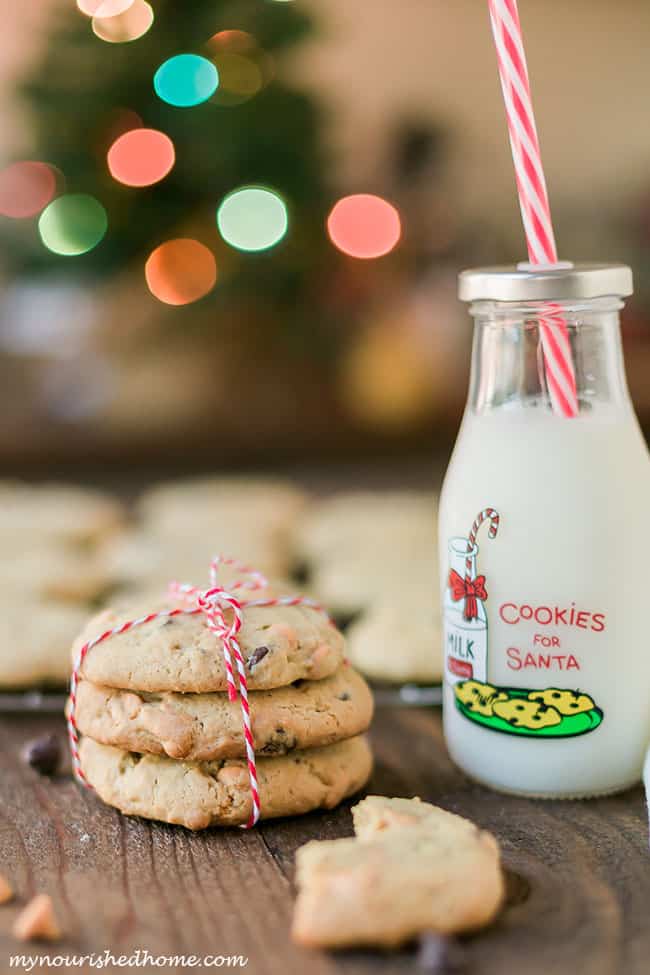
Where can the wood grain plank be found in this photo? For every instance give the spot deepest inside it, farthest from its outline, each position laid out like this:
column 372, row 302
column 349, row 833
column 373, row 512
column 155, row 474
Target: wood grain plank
column 579, row 871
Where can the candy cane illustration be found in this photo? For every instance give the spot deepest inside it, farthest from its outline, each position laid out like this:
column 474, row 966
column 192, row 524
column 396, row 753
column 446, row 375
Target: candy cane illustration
column 488, row 514
column 475, row 588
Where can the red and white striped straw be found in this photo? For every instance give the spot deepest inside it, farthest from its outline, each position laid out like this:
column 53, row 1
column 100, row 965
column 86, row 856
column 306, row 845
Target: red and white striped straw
column 533, row 197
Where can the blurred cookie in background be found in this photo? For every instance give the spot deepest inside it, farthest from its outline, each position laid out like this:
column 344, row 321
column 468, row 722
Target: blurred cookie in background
column 48, row 572
column 360, row 549
column 58, row 514
column 398, row 642
column 35, row 642
column 350, row 520
column 356, row 581
column 250, row 518
column 141, row 562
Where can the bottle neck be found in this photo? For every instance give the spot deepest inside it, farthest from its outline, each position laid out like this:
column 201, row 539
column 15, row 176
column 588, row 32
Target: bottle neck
column 508, row 365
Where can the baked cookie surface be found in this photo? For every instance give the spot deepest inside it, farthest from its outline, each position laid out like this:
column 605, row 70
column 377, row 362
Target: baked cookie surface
column 62, row 513
column 203, row 727
column 273, row 501
column 250, row 518
column 333, row 527
column 198, row 795
column 35, row 640
column 398, row 642
column 51, row 572
column 279, row 644
column 143, row 561
column 411, row 868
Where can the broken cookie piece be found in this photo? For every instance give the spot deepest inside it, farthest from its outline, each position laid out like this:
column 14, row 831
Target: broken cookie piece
column 411, row 868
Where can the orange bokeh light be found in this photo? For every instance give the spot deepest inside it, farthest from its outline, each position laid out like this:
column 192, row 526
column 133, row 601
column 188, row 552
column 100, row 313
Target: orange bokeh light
column 364, row 226
column 233, row 41
column 26, row 188
column 141, row 157
column 180, row 271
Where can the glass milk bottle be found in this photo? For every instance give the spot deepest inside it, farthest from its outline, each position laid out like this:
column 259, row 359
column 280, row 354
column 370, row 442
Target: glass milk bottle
column 544, row 539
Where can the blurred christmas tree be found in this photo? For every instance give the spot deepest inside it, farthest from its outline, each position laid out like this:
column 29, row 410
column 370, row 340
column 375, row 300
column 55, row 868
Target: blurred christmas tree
column 83, row 94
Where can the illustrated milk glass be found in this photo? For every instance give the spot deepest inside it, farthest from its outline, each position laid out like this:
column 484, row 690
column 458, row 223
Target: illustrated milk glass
column 545, row 541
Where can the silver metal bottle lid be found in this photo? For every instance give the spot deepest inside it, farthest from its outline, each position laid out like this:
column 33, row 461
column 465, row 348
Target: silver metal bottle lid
column 561, row 281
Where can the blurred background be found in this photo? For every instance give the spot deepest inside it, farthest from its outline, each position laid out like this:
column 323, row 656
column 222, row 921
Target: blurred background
column 230, row 229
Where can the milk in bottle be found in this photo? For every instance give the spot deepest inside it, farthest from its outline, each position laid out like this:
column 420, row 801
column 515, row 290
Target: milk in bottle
column 544, row 537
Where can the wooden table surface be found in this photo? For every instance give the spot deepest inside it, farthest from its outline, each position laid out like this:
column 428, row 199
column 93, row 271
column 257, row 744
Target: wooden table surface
column 579, row 872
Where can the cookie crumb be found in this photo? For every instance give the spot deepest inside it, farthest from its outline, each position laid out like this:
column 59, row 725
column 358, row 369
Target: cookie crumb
column 43, row 754
column 37, row 922
column 6, row 890
column 440, row 955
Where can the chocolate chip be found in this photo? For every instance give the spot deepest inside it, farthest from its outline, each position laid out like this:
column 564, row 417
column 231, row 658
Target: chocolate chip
column 439, row 955
column 43, row 754
column 344, row 696
column 168, row 621
column 259, row 653
column 273, row 748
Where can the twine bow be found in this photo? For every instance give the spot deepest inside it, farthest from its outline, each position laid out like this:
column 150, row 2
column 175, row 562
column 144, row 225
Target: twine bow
column 468, row 589
column 213, row 603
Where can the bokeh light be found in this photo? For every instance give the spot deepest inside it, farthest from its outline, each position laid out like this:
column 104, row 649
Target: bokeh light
column 232, row 41
column 26, row 188
column 240, row 78
column 104, row 8
column 180, row 271
column 186, row 80
column 244, row 68
column 252, row 218
column 141, row 157
column 364, row 226
column 125, row 27
column 72, row 224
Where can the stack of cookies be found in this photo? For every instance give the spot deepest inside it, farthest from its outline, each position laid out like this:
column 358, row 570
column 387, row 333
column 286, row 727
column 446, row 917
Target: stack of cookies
column 51, row 570
column 161, row 739
column 372, row 557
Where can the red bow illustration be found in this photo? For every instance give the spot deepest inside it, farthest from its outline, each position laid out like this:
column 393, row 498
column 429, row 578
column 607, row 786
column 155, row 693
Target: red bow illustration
column 468, row 589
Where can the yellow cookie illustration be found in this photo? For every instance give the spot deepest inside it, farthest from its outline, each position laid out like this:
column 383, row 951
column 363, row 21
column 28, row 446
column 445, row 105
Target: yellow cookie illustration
column 566, row 702
column 478, row 697
column 527, row 714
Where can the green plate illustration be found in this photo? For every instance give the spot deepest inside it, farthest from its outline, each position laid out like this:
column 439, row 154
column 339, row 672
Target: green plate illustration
column 570, row 726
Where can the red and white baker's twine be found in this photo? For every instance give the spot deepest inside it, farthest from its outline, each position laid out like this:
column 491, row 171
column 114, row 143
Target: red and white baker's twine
column 213, row 603
column 533, row 196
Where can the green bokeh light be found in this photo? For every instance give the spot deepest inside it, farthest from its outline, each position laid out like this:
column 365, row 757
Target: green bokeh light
column 72, row 224
column 186, row 80
column 252, row 218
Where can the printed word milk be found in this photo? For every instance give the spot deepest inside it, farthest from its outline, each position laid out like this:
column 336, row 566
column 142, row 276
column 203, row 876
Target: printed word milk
column 545, row 538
